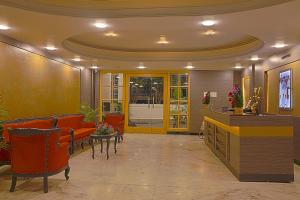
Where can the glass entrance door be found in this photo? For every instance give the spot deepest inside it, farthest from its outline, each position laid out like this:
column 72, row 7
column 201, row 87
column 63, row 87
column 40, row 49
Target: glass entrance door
column 146, row 103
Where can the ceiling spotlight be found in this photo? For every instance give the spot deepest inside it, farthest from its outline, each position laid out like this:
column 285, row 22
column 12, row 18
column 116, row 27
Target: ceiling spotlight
column 77, row 59
column 189, row 66
column 111, row 34
column 4, row 27
column 101, row 25
column 279, row 45
column 255, row 58
column 141, row 66
column 163, row 40
column 50, row 47
column 131, row 82
column 209, row 22
column 238, row 66
column 94, row 67
column 210, row 32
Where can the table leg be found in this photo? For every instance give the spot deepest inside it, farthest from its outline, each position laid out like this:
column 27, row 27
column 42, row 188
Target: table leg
column 93, row 148
column 107, row 148
column 116, row 139
column 101, row 143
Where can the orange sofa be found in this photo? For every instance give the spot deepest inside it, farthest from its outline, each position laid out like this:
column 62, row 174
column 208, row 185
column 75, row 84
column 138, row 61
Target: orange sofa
column 80, row 130
column 37, row 153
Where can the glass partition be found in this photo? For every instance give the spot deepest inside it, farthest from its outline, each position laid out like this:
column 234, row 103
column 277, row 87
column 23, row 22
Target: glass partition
column 179, row 101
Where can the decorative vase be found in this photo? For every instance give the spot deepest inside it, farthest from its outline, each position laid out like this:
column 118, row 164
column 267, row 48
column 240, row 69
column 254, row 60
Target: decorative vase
column 238, row 111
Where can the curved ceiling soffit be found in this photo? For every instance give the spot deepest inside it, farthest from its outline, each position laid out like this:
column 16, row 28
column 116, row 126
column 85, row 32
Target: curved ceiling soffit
column 243, row 48
column 137, row 8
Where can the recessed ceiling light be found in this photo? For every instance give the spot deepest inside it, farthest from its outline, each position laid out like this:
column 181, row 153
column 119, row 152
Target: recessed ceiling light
column 101, row 25
column 94, row 67
column 162, row 40
column 255, row 58
column 279, row 45
column 4, row 27
column 50, row 47
column 136, row 84
column 111, row 34
column 189, row 66
column 209, row 22
column 77, row 59
column 275, row 59
column 141, row 86
column 131, row 82
column 210, row 32
column 238, row 66
column 141, row 66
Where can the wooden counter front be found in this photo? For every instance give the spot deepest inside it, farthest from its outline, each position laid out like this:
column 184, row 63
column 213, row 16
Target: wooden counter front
column 254, row 148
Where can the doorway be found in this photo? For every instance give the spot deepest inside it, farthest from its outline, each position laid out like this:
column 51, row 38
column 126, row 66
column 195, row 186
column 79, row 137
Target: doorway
column 146, row 96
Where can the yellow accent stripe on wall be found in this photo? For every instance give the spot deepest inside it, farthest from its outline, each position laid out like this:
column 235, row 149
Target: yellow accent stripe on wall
column 262, row 131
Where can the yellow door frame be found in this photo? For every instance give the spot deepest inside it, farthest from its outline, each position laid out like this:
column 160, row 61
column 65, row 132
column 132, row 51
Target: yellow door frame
column 129, row 129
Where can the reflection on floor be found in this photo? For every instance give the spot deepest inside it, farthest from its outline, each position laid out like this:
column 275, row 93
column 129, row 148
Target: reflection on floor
column 150, row 167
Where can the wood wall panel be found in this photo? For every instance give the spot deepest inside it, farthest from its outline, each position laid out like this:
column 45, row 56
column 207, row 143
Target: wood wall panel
column 34, row 86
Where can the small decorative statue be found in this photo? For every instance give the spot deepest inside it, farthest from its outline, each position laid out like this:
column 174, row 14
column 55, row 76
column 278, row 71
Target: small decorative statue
column 254, row 101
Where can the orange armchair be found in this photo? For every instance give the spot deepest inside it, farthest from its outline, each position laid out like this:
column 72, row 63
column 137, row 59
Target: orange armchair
column 116, row 120
column 37, row 153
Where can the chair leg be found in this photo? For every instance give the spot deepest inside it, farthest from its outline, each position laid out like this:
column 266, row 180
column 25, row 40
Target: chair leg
column 46, row 184
column 67, row 170
column 13, row 183
column 82, row 145
column 122, row 138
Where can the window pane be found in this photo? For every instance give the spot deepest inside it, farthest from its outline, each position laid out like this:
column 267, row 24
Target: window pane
column 183, row 121
column 183, row 93
column 174, row 80
column 174, row 108
column 184, row 80
column 174, row 93
column 173, row 121
column 183, row 107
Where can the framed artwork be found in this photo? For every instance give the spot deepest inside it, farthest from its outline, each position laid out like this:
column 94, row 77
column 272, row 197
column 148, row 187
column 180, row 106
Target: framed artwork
column 285, row 90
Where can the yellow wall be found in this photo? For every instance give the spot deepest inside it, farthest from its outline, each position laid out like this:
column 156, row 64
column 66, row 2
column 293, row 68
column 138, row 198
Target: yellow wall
column 34, row 86
column 273, row 89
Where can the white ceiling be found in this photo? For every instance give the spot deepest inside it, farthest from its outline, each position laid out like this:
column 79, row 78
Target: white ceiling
column 241, row 35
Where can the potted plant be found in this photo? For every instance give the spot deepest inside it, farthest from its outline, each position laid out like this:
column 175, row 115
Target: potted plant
column 235, row 98
column 104, row 129
column 90, row 114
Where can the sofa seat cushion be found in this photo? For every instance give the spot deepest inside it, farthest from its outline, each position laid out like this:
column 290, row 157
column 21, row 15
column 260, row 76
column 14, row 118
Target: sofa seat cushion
column 72, row 121
column 83, row 133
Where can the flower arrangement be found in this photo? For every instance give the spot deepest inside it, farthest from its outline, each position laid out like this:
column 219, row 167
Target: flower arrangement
column 235, row 97
column 104, row 129
column 206, row 98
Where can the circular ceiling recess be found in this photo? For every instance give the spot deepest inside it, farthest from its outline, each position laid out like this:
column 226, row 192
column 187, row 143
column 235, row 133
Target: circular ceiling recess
column 138, row 8
column 132, row 51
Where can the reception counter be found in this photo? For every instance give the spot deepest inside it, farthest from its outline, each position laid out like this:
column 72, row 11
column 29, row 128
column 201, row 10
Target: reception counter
column 254, row 148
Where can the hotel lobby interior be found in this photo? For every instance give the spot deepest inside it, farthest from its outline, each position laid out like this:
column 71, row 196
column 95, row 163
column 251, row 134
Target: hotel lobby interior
column 153, row 100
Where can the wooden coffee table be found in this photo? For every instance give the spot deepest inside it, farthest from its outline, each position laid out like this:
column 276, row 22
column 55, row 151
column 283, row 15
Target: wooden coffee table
column 96, row 137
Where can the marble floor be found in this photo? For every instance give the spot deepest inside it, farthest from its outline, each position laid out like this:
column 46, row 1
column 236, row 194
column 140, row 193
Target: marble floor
column 150, row 167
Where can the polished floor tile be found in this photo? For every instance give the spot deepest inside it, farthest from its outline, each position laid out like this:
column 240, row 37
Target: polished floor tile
column 150, row 167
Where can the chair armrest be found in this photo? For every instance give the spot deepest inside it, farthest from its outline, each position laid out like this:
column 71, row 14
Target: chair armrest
column 58, row 157
column 88, row 125
column 65, row 131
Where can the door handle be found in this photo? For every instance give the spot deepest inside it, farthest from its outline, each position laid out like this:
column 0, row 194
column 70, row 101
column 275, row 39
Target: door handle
column 148, row 102
column 153, row 101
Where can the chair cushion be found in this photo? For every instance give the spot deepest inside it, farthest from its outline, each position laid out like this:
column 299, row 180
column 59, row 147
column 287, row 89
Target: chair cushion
column 83, row 133
column 72, row 121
